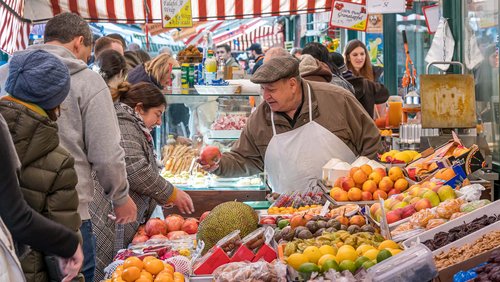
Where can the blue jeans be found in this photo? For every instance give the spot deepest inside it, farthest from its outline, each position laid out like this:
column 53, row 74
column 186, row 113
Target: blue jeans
column 88, row 250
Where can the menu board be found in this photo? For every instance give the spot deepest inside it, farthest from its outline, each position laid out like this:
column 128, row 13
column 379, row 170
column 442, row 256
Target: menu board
column 348, row 15
column 176, row 13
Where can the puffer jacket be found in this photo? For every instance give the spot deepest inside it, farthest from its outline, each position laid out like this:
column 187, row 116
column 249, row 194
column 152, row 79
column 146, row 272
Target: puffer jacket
column 47, row 177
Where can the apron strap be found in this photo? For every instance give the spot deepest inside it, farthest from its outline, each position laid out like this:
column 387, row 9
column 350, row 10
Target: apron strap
column 310, row 103
column 272, row 121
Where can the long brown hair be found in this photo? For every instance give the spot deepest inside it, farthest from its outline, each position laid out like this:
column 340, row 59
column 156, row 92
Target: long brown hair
column 159, row 67
column 366, row 71
column 146, row 93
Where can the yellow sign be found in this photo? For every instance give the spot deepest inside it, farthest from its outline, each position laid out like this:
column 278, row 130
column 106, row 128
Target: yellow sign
column 176, row 13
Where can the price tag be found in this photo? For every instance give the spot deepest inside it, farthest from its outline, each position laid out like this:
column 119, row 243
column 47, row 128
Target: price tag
column 348, row 15
column 325, row 209
column 385, row 6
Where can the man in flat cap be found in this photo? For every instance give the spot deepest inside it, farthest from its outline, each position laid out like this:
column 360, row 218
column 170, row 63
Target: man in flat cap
column 298, row 129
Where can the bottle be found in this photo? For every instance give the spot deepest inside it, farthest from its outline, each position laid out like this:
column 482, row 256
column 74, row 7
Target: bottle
column 171, row 140
column 176, row 79
column 221, row 69
column 210, row 68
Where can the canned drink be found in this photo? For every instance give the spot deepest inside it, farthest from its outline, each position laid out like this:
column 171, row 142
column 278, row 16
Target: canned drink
column 185, row 75
column 195, row 73
column 191, row 76
column 176, row 75
column 200, row 74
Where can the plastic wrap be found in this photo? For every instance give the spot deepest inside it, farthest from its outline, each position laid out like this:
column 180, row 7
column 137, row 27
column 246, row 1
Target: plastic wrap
column 470, row 192
column 248, row 272
column 474, row 205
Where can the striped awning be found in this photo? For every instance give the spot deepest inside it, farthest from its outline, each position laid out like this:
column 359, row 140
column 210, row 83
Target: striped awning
column 15, row 14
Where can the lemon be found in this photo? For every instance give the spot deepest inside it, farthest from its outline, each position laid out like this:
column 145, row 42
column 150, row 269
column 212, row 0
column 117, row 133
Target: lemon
column 296, row 260
column 388, row 244
column 327, row 249
column 324, row 258
column 402, row 156
column 417, row 156
column 363, row 248
column 346, row 252
column 394, row 251
column 371, row 254
column 312, row 253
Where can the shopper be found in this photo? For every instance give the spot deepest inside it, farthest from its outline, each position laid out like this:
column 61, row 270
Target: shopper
column 358, row 61
column 369, row 93
column 299, row 128
column 37, row 84
column 26, row 225
column 224, row 53
column 139, row 110
column 112, row 67
column 156, row 71
column 296, row 52
column 314, row 70
column 320, row 52
column 106, row 43
column 256, row 53
column 88, row 128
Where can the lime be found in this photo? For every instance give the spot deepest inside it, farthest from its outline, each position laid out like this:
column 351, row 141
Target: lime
column 348, row 265
column 330, row 264
column 368, row 264
column 308, row 268
column 283, row 223
column 383, row 255
column 359, row 261
column 325, row 258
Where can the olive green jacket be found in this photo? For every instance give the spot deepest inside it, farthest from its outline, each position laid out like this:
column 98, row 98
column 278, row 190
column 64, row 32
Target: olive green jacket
column 47, row 177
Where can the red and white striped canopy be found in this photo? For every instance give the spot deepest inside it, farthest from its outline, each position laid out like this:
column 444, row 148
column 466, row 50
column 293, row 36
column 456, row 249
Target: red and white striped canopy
column 15, row 15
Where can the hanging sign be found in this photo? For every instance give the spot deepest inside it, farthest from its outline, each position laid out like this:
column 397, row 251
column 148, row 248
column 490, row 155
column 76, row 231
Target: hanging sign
column 385, row 6
column 348, row 15
column 432, row 16
column 176, row 13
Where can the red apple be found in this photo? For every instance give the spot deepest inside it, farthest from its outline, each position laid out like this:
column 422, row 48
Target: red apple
column 155, row 226
column 408, row 211
column 140, row 239
column 190, row 226
column 423, row 204
column 176, row 235
column 393, row 216
column 366, row 196
column 174, row 222
column 347, row 183
column 210, row 155
column 393, row 192
column 204, row 215
column 380, row 171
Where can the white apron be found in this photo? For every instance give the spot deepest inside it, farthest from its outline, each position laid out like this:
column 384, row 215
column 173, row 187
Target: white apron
column 294, row 159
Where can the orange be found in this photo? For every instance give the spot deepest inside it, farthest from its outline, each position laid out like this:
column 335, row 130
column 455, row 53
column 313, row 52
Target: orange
column 148, row 258
column 169, row 266
column 178, row 277
column 144, row 279
column 154, row 266
column 118, row 279
column 133, row 261
column 130, row 274
column 164, row 278
column 146, row 274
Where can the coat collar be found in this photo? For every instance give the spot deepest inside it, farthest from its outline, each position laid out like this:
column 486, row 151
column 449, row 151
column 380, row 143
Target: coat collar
column 304, row 112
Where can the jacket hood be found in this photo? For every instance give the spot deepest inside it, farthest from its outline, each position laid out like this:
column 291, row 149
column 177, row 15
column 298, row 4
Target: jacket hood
column 311, row 67
column 33, row 134
column 74, row 65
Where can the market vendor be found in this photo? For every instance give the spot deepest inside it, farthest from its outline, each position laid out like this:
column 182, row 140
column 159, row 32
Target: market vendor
column 299, row 128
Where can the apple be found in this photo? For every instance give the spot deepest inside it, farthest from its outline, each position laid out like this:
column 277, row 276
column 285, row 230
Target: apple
column 380, row 171
column 159, row 236
column 400, row 205
column 393, row 192
column 155, row 226
column 399, row 197
column 433, row 197
column 190, row 226
column 174, row 222
column 366, row 196
column 140, row 239
column 389, row 203
column 423, row 204
column 347, row 183
column 210, row 155
column 408, row 211
column 374, row 208
column 393, row 216
column 446, row 193
column 414, row 200
column 414, row 190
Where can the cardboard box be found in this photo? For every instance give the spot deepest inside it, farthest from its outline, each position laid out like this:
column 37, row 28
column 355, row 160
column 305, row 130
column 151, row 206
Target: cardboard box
column 242, row 254
column 265, row 252
column 447, row 273
column 210, row 261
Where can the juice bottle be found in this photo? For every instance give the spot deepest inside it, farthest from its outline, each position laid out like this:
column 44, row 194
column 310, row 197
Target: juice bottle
column 395, row 111
column 210, row 68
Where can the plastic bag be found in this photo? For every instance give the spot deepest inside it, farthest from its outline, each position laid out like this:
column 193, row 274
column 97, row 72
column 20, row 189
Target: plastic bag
column 472, row 206
column 442, row 46
column 247, row 272
column 470, row 193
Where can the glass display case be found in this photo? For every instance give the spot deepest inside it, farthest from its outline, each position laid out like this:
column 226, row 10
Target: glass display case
column 214, row 119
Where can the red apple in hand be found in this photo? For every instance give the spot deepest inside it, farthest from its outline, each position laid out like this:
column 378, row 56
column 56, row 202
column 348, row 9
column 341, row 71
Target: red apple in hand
column 210, row 155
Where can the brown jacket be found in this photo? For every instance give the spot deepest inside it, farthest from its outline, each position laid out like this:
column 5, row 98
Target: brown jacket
column 333, row 107
column 314, row 70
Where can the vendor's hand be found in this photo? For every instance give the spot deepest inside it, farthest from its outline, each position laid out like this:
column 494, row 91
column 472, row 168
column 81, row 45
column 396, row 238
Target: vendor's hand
column 208, row 167
column 127, row 212
column 184, row 140
column 183, row 202
column 71, row 266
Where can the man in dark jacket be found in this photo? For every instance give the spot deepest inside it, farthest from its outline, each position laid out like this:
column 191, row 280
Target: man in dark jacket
column 256, row 52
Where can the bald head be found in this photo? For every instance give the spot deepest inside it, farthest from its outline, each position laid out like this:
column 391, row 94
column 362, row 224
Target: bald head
column 274, row 53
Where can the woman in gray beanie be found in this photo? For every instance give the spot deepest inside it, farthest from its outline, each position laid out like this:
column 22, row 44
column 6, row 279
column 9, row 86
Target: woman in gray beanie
column 37, row 84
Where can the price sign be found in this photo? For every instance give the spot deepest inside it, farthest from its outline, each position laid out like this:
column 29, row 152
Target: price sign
column 385, row 6
column 176, row 13
column 348, row 15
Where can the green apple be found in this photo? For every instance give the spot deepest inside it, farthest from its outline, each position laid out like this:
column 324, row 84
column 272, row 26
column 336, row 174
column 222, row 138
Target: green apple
column 446, row 193
column 433, row 197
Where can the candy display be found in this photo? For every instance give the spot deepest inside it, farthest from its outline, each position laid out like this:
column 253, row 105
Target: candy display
column 230, row 122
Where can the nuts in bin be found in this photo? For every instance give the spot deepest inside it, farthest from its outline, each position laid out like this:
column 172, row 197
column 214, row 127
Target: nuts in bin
column 231, row 242
column 255, row 239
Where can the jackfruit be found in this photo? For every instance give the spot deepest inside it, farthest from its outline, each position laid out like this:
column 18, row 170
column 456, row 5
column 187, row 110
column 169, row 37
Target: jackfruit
column 224, row 219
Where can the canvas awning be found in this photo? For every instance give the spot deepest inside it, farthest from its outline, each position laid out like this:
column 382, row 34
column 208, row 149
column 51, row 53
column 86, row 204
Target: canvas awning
column 17, row 15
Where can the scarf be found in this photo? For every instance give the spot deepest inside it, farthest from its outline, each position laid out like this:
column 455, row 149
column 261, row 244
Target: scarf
column 138, row 119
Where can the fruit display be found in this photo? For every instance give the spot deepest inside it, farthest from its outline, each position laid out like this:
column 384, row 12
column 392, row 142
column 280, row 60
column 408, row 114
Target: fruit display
column 149, row 268
column 229, row 122
column 246, row 271
column 485, row 243
column 178, row 158
column 442, row 239
column 224, row 219
column 297, row 199
column 345, row 210
column 172, row 228
column 367, row 184
column 274, row 210
column 399, row 157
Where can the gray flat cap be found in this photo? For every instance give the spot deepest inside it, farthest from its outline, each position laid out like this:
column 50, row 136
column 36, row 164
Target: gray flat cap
column 276, row 69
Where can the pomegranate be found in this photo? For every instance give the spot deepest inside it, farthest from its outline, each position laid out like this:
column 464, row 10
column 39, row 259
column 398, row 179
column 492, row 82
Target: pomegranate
column 155, row 226
column 210, row 155
column 176, row 235
column 174, row 222
column 141, row 230
column 159, row 236
column 204, row 215
column 190, row 226
column 140, row 239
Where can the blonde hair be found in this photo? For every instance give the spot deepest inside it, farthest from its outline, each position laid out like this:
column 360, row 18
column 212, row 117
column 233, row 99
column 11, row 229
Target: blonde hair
column 159, row 67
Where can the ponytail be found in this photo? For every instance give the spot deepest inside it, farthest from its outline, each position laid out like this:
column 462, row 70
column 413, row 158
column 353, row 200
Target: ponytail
column 121, row 91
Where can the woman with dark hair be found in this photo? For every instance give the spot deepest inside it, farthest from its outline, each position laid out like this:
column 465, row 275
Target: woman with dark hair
column 139, row 109
column 112, row 66
column 320, row 53
column 359, row 63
